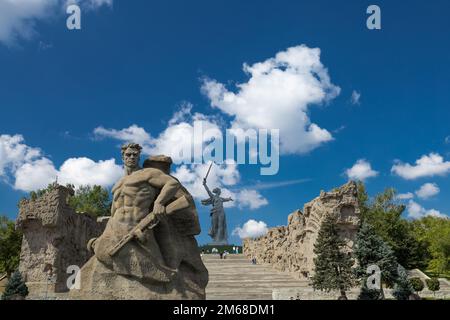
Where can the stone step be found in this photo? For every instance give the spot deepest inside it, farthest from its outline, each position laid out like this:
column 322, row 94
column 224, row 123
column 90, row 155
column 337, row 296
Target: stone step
column 236, row 278
column 264, row 287
column 262, row 277
column 244, row 296
column 229, row 256
column 227, row 259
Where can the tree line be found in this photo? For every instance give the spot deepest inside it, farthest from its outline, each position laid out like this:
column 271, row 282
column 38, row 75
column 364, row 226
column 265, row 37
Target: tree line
column 387, row 244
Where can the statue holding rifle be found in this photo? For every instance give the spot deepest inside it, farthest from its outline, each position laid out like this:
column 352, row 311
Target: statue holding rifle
column 218, row 229
column 148, row 249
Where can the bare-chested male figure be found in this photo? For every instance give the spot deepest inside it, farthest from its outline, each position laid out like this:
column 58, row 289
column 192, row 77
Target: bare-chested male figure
column 134, row 194
column 146, row 252
column 138, row 193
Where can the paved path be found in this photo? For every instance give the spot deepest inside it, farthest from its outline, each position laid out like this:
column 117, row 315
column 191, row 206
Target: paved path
column 236, row 278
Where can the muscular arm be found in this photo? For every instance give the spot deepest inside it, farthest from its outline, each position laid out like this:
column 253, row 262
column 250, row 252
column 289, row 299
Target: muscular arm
column 226, row 199
column 168, row 185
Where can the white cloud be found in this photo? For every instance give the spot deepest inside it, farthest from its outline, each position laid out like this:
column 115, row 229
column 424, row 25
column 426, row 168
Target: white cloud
column 251, row 229
column 77, row 171
column 14, row 153
column 355, row 98
column 133, row 133
column 84, row 171
column 428, row 190
column 224, row 177
column 31, row 170
column 447, row 140
column 277, row 184
column 277, row 96
column 95, row 4
column 220, row 176
column 427, row 166
column 19, row 17
column 35, row 175
column 404, row 196
column 361, row 170
column 178, row 140
column 416, row 211
column 251, row 199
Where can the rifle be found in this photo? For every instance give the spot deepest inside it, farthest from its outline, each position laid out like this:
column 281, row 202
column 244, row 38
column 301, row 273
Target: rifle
column 149, row 222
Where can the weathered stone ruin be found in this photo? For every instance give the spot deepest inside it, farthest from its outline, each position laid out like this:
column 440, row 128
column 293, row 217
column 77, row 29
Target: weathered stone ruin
column 54, row 238
column 290, row 248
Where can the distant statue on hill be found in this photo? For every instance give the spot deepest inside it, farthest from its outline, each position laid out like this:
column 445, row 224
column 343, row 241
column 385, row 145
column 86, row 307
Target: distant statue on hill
column 218, row 229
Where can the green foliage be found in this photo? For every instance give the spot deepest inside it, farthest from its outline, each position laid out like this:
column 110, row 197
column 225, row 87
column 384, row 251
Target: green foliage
column 94, row 200
column 417, row 284
column 385, row 215
column 369, row 250
column 10, row 244
column 433, row 284
column 40, row 192
column 436, row 233
column 363, row 198
column 403, row 288
column 15, row 287
column 370, row 294
column 90, row 199
column 332, row 267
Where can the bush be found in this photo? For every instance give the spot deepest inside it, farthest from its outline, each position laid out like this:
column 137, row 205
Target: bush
column 417, row 284
column 433, row 284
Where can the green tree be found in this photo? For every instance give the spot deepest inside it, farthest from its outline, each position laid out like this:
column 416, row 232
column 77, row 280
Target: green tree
column 40, row 192
column 370, row 250
column 94, row 200
column 403, row 288
column 436, row 233
column 433, row 284
column 417, row 284
column 91, row 199
column 10, row 244
column 333, row 267
column 385, row 215
column 16, row 287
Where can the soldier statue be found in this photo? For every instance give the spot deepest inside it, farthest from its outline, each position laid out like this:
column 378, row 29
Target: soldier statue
column 148, row 249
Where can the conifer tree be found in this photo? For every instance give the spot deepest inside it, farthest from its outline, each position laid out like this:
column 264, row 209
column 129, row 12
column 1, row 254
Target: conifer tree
column 333, row 267
column 403, row 288
column 370, row 250
column 16, row 287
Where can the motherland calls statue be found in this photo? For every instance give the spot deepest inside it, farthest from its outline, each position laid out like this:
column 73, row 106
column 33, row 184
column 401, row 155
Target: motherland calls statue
column 148, row 249
column 218, row 230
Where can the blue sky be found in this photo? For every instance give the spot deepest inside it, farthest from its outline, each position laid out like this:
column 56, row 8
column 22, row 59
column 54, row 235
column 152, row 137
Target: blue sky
column 139, row 62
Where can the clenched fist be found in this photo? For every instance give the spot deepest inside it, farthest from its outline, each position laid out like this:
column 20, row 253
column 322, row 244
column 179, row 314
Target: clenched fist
column 159, row 209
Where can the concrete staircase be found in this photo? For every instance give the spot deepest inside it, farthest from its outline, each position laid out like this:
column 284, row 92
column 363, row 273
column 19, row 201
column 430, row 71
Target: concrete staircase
column 236, row 278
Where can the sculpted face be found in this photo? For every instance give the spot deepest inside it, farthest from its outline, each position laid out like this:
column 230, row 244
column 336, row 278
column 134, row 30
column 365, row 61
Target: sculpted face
column 131, row 158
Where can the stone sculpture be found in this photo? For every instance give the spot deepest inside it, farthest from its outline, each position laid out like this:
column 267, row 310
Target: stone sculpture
column 290, row 248
column 218, row 230
column 54, row 238
column 148, row 249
